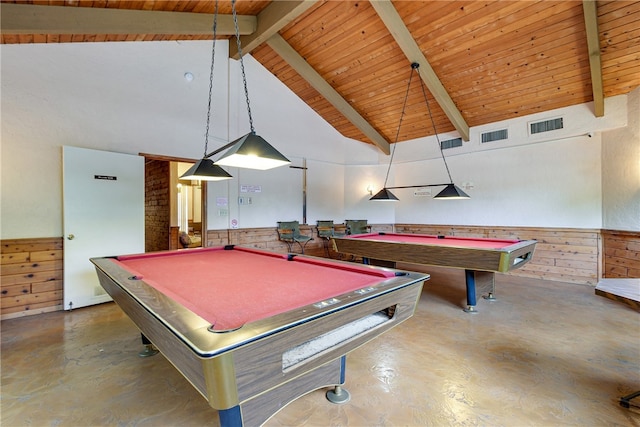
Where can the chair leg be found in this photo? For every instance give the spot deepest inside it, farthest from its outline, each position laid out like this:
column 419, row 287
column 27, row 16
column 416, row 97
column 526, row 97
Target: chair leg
column 325, row 243
column 302, row 245
column 625, row 401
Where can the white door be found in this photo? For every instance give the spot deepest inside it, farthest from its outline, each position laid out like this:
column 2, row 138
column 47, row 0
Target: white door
column 103, row 201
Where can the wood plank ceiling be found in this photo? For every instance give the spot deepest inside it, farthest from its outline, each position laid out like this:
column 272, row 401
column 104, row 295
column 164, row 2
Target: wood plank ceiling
column 480, row 61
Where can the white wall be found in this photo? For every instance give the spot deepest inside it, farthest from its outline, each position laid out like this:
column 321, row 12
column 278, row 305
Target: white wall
column 132, row 98
column 555, row 184
column 621, row 171
column 548, row 180
column 122, row 97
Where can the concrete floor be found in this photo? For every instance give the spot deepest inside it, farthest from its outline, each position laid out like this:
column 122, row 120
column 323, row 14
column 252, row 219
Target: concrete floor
column 543, row 354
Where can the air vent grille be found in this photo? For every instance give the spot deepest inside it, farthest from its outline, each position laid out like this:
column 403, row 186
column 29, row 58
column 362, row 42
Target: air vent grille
column 495, row 135
column 546, row 126
column 451, row 143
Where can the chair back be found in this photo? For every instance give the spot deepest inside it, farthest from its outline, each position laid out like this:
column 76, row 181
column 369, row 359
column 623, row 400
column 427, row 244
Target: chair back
column 325, row 229
column 288, row 230
column 357, row 226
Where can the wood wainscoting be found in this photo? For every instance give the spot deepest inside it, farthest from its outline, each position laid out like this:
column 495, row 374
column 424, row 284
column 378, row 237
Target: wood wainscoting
column 32, row 269
column 562, row 254
column 31, row 276
column 267, row 238
column 621, row 254
column 263, row 238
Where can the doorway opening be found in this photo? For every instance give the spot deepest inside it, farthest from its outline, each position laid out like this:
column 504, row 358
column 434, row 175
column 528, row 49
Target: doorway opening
column 175, row 209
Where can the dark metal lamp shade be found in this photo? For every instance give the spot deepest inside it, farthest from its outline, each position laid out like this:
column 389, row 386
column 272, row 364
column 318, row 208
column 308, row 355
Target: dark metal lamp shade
column 451, row 192
column 206, row 170
column 253, row 152
column 384, row 194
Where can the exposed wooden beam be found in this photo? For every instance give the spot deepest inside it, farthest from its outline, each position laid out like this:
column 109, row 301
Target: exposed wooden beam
column 298, row 63
column 590, row 9
column 270, row 20
column 38, row 19
column 393, row 22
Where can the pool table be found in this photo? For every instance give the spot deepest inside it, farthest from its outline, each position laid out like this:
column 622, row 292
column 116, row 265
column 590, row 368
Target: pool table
column 253, row 330
column 481, row 258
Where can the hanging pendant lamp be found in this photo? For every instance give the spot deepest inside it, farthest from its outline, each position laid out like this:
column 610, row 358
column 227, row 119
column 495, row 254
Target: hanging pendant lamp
column 204, row 169
column 250, row 151
column 450, row 191
column 384, row 194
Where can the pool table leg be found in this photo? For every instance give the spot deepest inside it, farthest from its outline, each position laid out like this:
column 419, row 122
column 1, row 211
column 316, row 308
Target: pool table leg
column 487, row 279
column 474, row 279
column 339, row 395
column 149, row 349
column 470, row 279
column 231, row 417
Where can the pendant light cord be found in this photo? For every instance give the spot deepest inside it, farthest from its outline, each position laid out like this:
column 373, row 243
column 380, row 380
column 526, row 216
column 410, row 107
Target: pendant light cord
column 213, row 54
column 404, row 106
column 244, row 77
column 433, row 123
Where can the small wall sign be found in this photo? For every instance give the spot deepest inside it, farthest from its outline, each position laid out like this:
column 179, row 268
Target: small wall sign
column 250, row 188
column 106, row 177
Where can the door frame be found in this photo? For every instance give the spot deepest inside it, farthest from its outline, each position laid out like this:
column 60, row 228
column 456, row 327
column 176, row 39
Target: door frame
column 203, row 184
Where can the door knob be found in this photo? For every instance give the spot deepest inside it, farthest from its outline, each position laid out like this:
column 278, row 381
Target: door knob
column 71, row 237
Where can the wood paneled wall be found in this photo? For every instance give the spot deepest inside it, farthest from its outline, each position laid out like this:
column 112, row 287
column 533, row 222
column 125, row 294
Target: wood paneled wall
column 621, row 254
column 562, row 254
column 31, row 276
column 263, row 238
column 566, row 255
column 267, row 238
column 32, row 269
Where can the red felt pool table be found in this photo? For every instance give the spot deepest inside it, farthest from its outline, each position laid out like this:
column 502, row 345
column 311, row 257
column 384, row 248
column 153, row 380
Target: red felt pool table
column 253, row 330
column 480, row 258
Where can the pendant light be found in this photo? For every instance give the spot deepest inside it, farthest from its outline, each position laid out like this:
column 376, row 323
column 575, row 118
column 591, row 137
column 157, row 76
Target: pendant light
column 204, row 169
column 451, row 191
column 249, row 151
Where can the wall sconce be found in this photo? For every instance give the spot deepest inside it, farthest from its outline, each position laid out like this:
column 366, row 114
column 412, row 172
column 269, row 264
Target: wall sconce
column 370, row 189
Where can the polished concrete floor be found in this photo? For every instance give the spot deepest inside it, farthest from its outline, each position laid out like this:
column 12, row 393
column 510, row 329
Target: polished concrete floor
column 543, row 354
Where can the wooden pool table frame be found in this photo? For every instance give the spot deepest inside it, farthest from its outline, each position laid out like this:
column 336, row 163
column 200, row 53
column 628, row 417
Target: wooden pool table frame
column 480, row 263
column 241, row 373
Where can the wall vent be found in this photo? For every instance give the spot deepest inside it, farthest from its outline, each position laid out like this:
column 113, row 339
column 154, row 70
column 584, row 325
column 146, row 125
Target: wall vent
column 451, row 143
column 495, row 135
column 546, row 126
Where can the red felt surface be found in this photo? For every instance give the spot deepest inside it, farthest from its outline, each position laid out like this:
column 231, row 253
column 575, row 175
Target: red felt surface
column 232, row 287
column 424, row 239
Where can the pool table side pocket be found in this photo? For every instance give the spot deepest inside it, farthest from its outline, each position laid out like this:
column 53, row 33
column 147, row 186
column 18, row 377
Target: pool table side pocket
column 519, row 255
column 259, row 366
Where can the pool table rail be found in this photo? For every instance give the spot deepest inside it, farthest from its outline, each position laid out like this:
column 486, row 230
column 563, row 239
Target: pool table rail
column 468, row 258
column 244, row 368
column 196, row 331
column 481, row 258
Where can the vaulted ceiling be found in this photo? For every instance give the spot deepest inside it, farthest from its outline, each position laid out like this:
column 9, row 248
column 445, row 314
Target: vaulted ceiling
column 479, row 61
